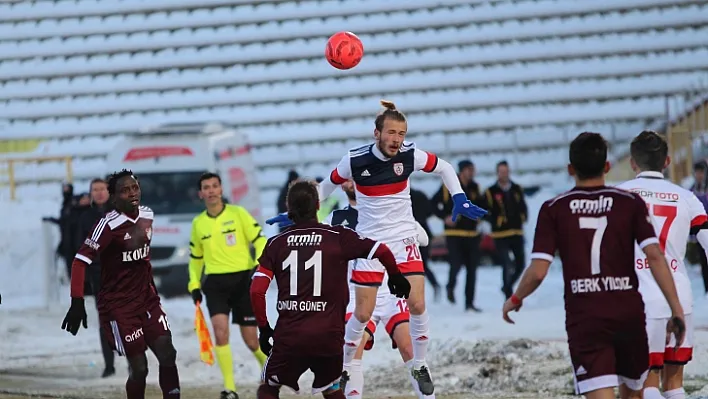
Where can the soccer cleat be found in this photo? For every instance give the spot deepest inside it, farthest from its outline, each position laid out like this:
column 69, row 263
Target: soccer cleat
column 228, row 395
column 343, row 381
column 425, row 382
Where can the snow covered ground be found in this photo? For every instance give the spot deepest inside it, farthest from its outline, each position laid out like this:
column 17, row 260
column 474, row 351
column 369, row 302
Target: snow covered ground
column 471, row 353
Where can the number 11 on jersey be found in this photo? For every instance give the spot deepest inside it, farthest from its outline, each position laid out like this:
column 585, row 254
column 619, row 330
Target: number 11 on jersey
column 315, row 262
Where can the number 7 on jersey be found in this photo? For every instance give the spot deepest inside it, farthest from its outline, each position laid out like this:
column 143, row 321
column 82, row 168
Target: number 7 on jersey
column 599, row 224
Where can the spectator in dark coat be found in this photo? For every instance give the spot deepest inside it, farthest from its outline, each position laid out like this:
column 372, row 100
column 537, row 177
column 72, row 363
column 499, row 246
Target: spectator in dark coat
column 282, row 207
column 97, row 209
column 422, row 210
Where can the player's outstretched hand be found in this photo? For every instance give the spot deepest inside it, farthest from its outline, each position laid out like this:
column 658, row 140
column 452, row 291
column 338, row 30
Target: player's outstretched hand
column 463, row 207
column 510, row 305
column 677, row 327
column 399, row 285
column 75, row 317
column 197, row 296
column 264, row 336
column 281, row 220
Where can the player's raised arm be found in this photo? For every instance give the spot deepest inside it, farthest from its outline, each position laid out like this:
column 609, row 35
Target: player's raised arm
column 430, row 163
column 341, row 173
column 544, row 250
column 355, row 246
column 98, row 239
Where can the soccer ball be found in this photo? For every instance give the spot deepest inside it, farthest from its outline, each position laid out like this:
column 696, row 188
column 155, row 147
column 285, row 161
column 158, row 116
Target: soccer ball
column 344, row 50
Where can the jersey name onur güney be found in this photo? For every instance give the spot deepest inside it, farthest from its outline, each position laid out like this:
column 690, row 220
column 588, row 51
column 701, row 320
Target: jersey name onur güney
column 382, row 190
column 309, row 261
column 595, row 230
column 122, row 245
column 674, row 212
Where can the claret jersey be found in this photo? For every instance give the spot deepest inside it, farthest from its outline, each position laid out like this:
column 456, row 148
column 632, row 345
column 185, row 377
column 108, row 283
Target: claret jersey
column 674, row 211
column 382, row 189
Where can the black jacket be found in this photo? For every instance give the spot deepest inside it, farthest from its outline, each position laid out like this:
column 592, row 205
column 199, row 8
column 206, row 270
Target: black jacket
column 442, row 206
column 422, row 209
column 507, row 210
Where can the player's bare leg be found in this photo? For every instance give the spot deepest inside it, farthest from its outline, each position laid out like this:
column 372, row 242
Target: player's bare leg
column 672, row 379
column 250, row 338
column 220, row 323
column 625, row 393
column 166, row 355
column 401, row 334
column 352, row 382
column 651, row 385
column 138, row 371
column 419, row 334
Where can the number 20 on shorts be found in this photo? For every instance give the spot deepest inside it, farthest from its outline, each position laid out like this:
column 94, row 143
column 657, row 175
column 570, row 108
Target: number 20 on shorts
column 413, row 252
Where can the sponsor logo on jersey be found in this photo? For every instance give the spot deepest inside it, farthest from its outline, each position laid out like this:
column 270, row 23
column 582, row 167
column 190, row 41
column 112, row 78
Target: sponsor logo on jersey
column 126, row 237
column 148, row 233
column 137, row 254
column 365, row 173
column 587, row 206
column 304, row 240
column 398, row 168
column 656, row 195
column 134, row 335
column 92, row 244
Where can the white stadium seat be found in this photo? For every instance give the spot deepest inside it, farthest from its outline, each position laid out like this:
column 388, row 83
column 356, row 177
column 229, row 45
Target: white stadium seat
column 479, row 80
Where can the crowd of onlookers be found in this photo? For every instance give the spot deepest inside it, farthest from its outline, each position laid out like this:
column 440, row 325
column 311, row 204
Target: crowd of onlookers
column 700, row 189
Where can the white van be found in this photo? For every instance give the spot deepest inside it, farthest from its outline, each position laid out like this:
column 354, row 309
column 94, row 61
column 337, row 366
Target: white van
column 168, row 160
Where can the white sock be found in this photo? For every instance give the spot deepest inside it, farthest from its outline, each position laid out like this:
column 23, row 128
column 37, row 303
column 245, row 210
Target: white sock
column 652, row 393
column 352, row 338
column 677, row 393
column 414, row 383
column 355, row 386
column 419, row 338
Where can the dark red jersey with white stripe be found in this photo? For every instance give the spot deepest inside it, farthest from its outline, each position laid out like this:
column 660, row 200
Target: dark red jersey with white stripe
column 123, row 246
column 382, row 188
column 309, row 261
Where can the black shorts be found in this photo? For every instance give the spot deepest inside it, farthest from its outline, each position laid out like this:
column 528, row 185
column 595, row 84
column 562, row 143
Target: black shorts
column 230, row 292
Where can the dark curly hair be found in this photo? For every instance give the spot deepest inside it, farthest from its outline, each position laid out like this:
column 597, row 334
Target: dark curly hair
column 115, row 176
column 302, row 201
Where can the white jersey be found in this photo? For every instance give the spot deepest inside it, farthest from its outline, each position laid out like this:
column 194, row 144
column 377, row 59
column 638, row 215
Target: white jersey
column 382, row 189
column 674, row 210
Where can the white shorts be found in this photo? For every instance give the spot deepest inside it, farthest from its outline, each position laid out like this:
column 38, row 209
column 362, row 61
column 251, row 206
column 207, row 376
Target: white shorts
column 370, row 273
column 659, row 352
column 389, row 311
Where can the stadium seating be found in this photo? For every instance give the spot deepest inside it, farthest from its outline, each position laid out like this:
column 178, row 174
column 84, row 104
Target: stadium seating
column 482, row 80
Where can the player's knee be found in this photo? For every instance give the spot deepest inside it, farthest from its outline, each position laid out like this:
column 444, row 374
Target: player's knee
column 138, row 368
column 363, row 314
column 165, row 351
column 405, row 349
column 416, row 306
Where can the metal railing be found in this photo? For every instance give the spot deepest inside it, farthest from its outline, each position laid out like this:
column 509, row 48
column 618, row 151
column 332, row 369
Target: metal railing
column 13, row 180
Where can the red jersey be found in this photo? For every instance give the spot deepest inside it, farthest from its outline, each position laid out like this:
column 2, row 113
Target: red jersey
column 310, row 264
column 594, row 229
column 123, row 246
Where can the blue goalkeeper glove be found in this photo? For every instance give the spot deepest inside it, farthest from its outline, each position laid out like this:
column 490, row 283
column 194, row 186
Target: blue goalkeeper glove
column 463, row 206
column 281, row 220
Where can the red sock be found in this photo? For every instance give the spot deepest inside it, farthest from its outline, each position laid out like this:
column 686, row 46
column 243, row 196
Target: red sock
column 169, row 382
column 135, row 389
column 267, row 392
column 338, row 394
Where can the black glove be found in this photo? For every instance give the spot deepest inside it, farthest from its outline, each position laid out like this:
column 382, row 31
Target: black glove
column 264, row 336
column 75, row 317
column 399, row 285
column 197, row 296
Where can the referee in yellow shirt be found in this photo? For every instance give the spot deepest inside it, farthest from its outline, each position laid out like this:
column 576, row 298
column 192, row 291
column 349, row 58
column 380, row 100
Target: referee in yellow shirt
column 220, row 245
